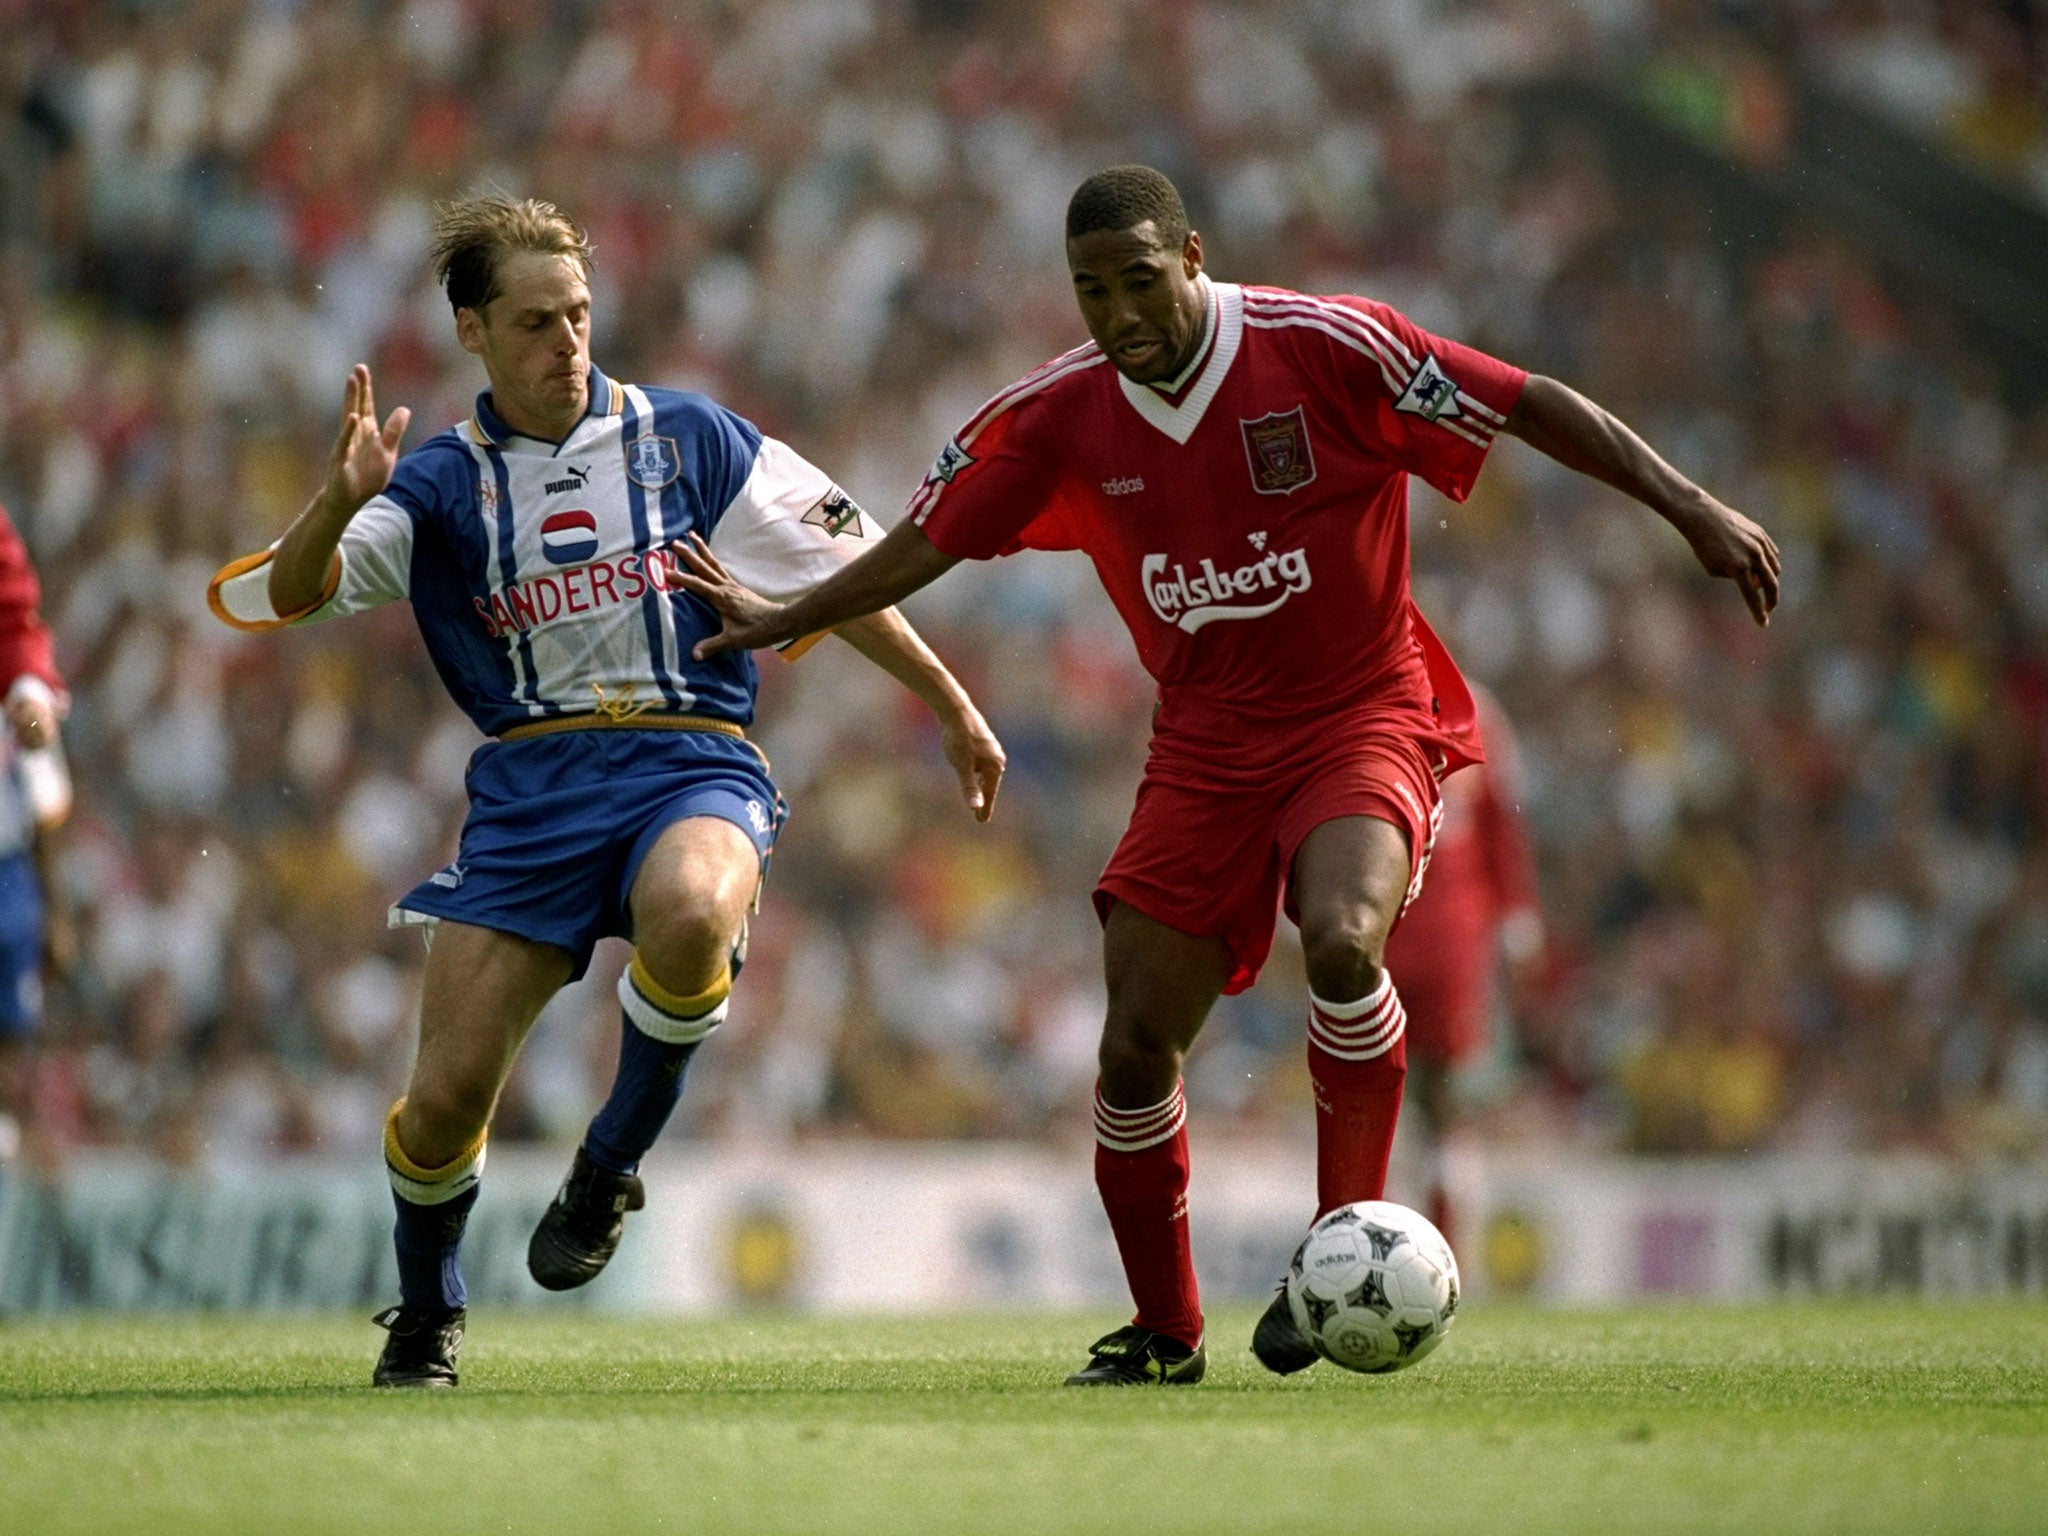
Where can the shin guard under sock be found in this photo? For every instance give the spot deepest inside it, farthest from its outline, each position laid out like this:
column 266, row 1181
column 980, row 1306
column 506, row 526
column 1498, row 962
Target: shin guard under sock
column 1357, row 1062
column 662, row 1031
column 433, row 1209
column 1141, row 1170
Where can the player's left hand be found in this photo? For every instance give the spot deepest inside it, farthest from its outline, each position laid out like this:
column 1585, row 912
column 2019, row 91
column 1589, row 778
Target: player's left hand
column 749, row 617
column 1729, row 544
column 977, row 757
column 34, row 719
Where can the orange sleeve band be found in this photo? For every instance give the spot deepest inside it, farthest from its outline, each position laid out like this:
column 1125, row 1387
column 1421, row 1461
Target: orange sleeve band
column 243, row 567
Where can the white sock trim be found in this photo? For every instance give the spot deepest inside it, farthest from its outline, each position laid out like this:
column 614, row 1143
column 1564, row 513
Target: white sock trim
column 1361, row 1030
column 650, row 1018
column 1134, row 1130
column 460, row 1182
column 1372, row 1002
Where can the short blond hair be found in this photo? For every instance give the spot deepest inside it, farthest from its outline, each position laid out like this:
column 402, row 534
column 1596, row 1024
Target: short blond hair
column 472, row 233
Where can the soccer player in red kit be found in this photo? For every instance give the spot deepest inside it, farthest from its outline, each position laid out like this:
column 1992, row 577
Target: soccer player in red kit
column 36, row 937
column 1234, row 460
column 1478, row 905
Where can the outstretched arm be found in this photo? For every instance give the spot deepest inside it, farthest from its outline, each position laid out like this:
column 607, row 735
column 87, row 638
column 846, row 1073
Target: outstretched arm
column 887, row 640
column 1559, row 421
column 35, row 695
column 881, row 578
column 363, row 459
column 884, row 637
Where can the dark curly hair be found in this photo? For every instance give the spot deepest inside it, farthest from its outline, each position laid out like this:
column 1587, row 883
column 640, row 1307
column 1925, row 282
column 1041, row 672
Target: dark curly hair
column 1125, row 196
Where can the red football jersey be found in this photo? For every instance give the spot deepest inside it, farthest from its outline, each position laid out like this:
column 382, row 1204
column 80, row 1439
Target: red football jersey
column 25, row 645
column 1250, row 521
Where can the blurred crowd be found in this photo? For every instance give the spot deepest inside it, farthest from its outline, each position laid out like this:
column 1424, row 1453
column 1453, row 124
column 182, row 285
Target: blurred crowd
column 1795, row 881
column 1970, row 74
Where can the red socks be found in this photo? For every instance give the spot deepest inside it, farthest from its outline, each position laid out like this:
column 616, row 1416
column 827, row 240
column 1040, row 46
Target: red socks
column 1141, row 1169
column 1357, row 1061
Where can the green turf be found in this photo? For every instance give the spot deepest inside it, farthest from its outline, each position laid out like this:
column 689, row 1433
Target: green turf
column 1873, row 1417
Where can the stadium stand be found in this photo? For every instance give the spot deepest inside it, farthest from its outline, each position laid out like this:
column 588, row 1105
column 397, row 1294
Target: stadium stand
column 1797, row 881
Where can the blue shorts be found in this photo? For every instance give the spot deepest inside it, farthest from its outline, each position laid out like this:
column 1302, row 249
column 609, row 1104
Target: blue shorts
column 558, row 826
column 21, row 946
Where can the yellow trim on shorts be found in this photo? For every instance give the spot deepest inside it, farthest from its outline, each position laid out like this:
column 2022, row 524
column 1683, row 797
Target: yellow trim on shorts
column 597, row 720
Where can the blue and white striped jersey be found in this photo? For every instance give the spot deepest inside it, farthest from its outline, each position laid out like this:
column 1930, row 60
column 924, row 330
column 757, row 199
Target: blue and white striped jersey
column 538, row 571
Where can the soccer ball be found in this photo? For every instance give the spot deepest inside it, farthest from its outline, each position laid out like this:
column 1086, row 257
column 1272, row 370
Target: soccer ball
column 1373, row 1286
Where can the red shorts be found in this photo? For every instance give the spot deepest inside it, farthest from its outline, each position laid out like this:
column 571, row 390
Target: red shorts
column 1443, row 956
column 1208, row 850
column 1447, row 995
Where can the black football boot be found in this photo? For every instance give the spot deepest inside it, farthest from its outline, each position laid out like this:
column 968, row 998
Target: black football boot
column 1280, row 1346
column 580, row 1231
column 422, row 1348
column 1135, row 1356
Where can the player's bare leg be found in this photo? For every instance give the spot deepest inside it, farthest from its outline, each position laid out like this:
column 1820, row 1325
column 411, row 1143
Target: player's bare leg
column 689, row 902
column 1351, row 876
column 1162, row 984
column 483, row 991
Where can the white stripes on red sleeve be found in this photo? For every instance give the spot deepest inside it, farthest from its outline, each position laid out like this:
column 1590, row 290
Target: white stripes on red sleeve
column 1133, row 1130
column 1397, row 364
column 1041, row 377
column 1362, row 1030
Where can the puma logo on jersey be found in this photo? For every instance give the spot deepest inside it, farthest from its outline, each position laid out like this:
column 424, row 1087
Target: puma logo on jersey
column 1189, row 602
column 578, row 478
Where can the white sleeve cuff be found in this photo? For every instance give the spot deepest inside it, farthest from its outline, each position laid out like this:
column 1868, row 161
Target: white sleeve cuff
column 32, row 688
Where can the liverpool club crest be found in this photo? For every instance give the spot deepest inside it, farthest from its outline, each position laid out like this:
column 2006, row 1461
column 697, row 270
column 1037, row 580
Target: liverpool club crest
column 1277, row 446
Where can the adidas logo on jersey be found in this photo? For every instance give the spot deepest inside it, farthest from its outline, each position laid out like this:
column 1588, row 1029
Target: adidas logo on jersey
column 1189, row 602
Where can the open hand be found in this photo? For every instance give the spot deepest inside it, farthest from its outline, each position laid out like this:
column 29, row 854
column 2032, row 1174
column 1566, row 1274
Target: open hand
column 364, row 453
column 749, row 617
column 1729, row 544
column 977, row 757
column 33, row 718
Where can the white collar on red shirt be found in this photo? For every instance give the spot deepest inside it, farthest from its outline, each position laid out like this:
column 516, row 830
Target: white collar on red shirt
column 1223, row 329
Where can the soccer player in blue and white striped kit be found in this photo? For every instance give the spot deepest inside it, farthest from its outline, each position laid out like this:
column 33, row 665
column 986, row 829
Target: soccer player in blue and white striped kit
column 620, row 796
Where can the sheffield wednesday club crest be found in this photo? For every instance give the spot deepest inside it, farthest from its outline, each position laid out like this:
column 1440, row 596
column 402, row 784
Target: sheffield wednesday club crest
column 652, row 462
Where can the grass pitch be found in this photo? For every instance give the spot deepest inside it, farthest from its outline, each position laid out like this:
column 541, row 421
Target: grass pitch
column 1872, row 1417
